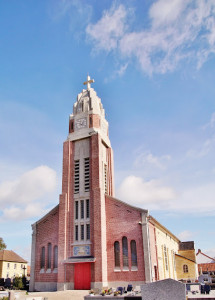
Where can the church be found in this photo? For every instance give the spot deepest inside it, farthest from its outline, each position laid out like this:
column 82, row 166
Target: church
column 91, row 239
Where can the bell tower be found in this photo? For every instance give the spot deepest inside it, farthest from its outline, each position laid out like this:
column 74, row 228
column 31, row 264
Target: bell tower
column 87, row 177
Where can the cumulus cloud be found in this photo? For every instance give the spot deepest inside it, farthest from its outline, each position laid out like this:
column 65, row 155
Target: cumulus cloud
column 146, row 194
column 24, row 197
column 155, row 195
column 178, row 30
column 109, row 29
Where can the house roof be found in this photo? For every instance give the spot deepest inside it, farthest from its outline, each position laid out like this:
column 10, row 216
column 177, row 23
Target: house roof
column 202, row 258
column 206, row 267
column 183, row 257
column 9, row 255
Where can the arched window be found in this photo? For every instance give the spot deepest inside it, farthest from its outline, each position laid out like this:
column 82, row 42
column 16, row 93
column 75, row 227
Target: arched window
column 125, row 251
column 117, row 254
column 55, row 257
column 185, row 268
column 42, row 258
column 133, row 254
column 49, row 255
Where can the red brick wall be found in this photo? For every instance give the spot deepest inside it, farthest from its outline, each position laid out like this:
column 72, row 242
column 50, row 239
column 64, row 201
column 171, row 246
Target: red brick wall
column 122, row 220
column 46, row 232
column 65, row 212
column 95, row 208
column 94, row 121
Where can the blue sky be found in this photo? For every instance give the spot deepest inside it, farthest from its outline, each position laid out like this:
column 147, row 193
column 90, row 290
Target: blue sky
column 153, row 63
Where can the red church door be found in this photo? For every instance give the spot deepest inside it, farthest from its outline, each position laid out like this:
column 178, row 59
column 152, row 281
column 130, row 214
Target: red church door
column 82, row 276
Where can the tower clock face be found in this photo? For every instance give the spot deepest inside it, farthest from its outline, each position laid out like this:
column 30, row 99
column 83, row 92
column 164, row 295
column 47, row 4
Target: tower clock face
column 81, row 123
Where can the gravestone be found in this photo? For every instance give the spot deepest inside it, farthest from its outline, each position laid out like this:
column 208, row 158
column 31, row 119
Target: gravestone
column 167, row 289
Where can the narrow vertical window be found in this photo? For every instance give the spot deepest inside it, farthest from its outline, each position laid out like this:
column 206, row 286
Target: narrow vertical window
column 165, row 257
column 76, row 210
column 185, row 268
column 49, row 255
column 82, row 232
column 125, row 251
column 133, row 254
column 42, row 259
column 87, row 208
column 76, row 232
column 88, row 231
column 105, row 179
column 55, row 257
column 117, row 254
column 87, row 174
column 76, row 177
column 82, row 209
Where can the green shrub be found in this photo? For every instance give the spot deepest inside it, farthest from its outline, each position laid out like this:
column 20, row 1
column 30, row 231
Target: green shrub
column 17, row 283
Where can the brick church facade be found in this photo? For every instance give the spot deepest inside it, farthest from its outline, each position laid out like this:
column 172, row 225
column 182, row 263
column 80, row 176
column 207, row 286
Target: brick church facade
column 91, row 239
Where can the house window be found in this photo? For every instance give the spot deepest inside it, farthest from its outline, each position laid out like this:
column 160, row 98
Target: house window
column 76, row 177
column 82, row 209
column 133, row 254
column 117, row 254
column 165, row 257
column 49, row 255
column 82, row 232
column 76, row 210
column 42, row 259
column 55, row 257
column 8, row 265
column 125, row 251
column 14, row 266
column 76, row 232
column 87, row 174
column 88, row 231
column 185, row 268
column 87, row 208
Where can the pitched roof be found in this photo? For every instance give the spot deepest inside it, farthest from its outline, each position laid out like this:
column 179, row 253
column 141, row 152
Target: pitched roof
column 202, row 258
column 180, row 256
column 9, row 255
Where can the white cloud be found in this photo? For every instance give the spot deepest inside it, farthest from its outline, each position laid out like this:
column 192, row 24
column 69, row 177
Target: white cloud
column 203, row 149
column 185, row 235
column 146, row 194
column 148, row 159
column 166, row 11
column 24, row 197
column 28, row 187
column 154, row 195
column 107, row 31
column 178, row 30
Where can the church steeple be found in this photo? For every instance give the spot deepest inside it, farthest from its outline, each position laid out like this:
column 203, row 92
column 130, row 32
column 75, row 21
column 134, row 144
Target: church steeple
column 88, row 115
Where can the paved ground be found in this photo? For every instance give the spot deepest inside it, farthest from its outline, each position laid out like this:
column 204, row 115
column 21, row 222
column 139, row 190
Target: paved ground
column 65, row 295
column 199, row 295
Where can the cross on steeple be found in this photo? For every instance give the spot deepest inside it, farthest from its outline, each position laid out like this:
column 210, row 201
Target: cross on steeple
column 88, row 82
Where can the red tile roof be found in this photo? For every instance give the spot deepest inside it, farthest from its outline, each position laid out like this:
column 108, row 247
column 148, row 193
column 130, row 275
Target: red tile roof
column 206, row 267
column 9, row 255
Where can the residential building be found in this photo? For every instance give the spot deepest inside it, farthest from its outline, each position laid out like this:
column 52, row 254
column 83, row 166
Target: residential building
column 11, row 264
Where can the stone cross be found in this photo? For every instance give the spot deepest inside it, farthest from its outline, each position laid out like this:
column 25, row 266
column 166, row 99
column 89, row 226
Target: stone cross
column 24, row 268
column 88, row 82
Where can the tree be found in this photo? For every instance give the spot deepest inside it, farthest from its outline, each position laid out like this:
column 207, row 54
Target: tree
column 2, row 244
column 17, row 283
